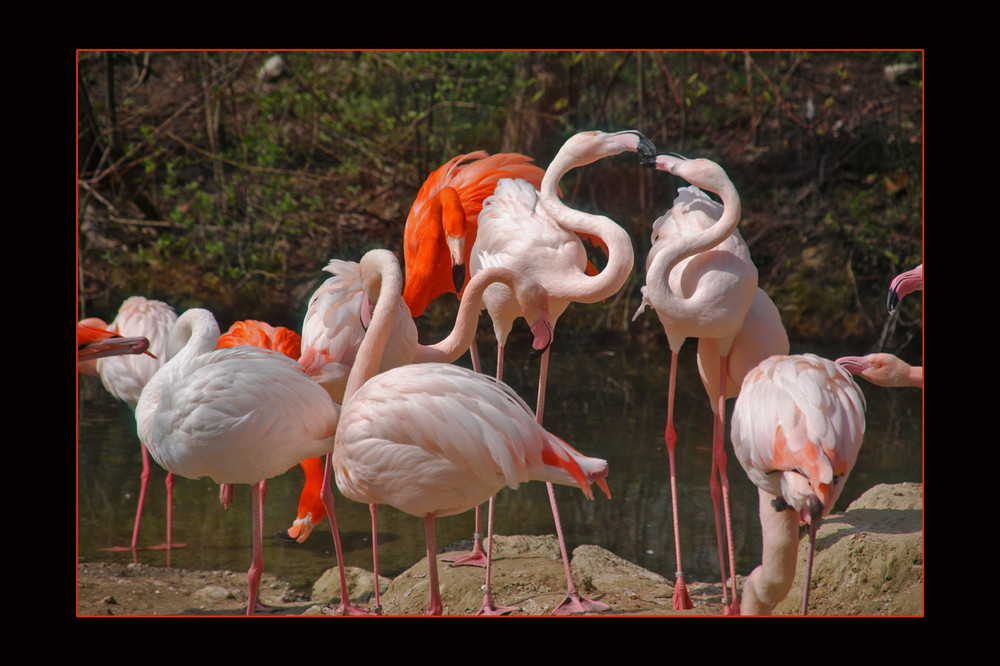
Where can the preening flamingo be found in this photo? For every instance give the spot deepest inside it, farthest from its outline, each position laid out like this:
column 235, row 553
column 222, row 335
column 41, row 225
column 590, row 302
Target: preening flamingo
column 884, row 369
column 437, row 439
column 536, row 234
column 701, row 282
column 235, row 415
column 797, row 428
column 125, row 376
column 903, row 284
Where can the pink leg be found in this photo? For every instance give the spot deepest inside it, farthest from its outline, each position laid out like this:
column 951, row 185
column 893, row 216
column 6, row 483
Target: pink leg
column 573, row 603
column 373, row 509
column 257, row 565
column 170, row 514
column 435, row 607
column 326, row 494
column 476, row 558
column 813, row 527
column 682, row 600
column 488, row 607
column 143, row 482
column 720, row 486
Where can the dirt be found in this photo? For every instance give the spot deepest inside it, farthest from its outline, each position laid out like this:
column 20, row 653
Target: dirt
column 869, row 561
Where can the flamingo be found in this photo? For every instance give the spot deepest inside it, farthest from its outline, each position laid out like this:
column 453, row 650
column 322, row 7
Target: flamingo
column 797, row 427
column 334, row 330
column 436, row 439
column 701, row 282
column 125, row 376
column 236, row 415
column 437, row 241
column 884, row 369
column 903, row 284
column 536, row 234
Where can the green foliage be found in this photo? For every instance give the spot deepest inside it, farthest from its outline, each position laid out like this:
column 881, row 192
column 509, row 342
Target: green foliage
column 203, row 179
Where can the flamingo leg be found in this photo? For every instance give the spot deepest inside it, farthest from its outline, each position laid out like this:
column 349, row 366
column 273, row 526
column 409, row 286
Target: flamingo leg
column 681, row 599
column 771, row 580
column 719, row 465
column 326, row 494
column 435, row 607
column 257, row 564
column 573, row 603
column 373, row 509
column 169, row 482
column 488, row 607
column 478, row 556
column 143, row 482
column 813, row 527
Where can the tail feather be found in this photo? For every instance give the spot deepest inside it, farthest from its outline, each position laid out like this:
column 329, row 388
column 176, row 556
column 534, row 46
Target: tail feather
column 584, row 469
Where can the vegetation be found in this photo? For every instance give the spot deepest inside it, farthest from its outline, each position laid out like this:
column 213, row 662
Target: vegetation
column 205, row 183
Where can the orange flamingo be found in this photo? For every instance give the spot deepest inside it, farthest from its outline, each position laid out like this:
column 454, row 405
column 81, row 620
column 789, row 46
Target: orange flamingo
column 125, row 376
column 797, row 427
column 443, row 221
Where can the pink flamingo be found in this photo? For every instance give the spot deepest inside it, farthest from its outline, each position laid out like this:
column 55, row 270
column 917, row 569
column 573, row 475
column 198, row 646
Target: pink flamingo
column 536, row 234
column 334, row 329
column 236, row 415
column 884, row 369
column 903, row 284
column 797, row 428
column 701, row 282
column 125, row 376
column 481, row 438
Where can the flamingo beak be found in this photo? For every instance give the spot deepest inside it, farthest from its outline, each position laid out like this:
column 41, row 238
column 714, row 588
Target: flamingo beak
column 542, row 330
column 114, row 346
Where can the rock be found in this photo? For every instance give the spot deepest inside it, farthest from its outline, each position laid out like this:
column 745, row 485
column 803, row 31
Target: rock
column 869, row 559
column 359, row 581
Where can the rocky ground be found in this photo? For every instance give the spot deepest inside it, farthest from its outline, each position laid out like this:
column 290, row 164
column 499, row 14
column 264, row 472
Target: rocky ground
column 869, row 561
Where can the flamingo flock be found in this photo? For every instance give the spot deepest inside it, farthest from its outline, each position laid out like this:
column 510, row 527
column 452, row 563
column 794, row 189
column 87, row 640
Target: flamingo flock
column 357, row 400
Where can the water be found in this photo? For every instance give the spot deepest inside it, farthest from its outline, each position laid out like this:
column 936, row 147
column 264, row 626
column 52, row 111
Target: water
column 608, row 402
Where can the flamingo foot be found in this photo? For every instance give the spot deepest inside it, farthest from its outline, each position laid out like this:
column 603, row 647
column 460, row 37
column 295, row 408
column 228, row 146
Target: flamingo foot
column 574, row 603
column 490, row 608
column 731, row 608
column 682, row 600
column 476, row 558
column 348, row 609
column 472, row 559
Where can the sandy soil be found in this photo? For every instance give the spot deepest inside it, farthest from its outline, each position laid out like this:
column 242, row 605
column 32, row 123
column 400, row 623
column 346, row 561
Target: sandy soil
column 869, row 562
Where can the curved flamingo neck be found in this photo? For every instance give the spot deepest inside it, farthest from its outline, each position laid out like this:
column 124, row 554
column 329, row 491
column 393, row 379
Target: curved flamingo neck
column 195, row 333
column 383, row 283
column 463, row 333
column 587, row 289
column 676, row 250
